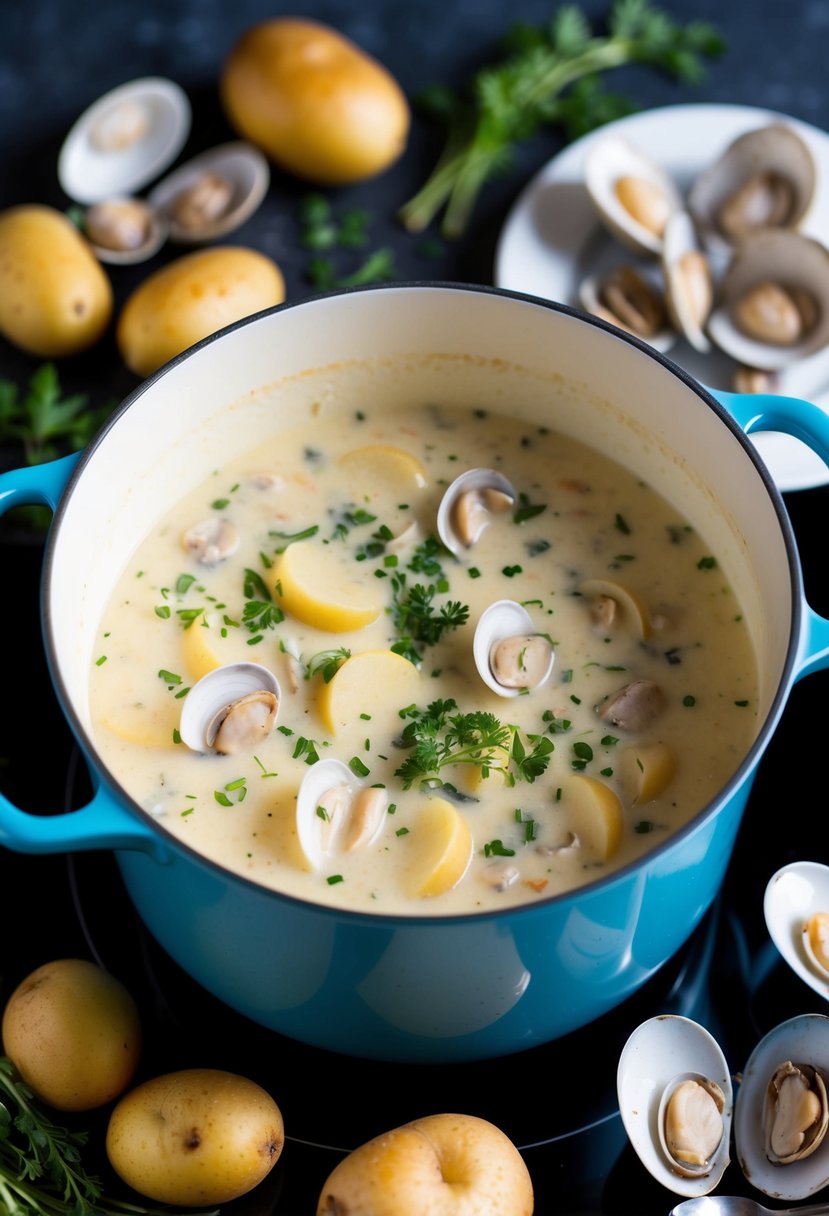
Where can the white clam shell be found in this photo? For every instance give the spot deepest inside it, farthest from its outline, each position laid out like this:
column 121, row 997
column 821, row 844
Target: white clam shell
column 157, row 233
column 244, row 168
column 679, row 240
column 658, row 1054
column 472, row 479
column 793, row 894
column 320, row 778
column 590, row 299
column 89, row 173
column 502, row 619
column 609, row 159
column 804, row 1040
column 787, row 258
column 214, row 691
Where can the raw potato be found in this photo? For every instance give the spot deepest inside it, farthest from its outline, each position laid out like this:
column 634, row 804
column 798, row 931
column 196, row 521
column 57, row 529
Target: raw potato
column 192, row 297
column 55, row 298
column 314, row 102
column 198, row 1136
column 444, row 1165
column 73, row 1033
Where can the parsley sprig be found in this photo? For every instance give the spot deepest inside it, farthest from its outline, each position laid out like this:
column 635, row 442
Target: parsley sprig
column 549, row 75
column 440, row 735
column 42, row 1172
column 418, row 622
column 43, row 420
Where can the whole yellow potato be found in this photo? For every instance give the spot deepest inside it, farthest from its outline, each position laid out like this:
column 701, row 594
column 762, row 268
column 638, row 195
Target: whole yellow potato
column 198, row 1136
column 55, row 298
column 191, row 297
column 315, row 102
column 441, row 1163
column 73, row 1032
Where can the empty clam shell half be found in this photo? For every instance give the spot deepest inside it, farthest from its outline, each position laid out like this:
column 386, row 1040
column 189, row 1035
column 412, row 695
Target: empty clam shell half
column 469, row 505
column 231, row 709
column 796, row 898
column 124, row 140
column 802, row 1042
column 511, row 656
column 661, row 1055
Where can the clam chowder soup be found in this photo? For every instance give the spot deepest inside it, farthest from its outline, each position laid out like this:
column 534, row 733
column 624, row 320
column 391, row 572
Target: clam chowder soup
column 423, row 663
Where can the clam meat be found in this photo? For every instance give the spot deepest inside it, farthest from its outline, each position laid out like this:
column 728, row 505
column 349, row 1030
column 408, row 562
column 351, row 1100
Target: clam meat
column 337, row 814
column 124, row 230
column 211, row 541
column 796, row 911
column 628, row 298
column 511, row 656
column 796, row 1115
column 469, row 506
column 633, row 707
column 230, row 710
column 691, row 1123
column 765, row 178
column 213, row 194
column 773, row 302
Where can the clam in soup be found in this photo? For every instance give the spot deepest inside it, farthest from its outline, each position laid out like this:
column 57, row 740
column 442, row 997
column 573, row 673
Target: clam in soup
column 425, row 663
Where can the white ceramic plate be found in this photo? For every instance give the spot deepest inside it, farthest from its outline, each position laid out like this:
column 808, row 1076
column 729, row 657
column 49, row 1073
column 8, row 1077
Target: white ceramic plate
column 552, row 240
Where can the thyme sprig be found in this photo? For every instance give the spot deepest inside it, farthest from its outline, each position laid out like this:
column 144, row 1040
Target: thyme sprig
column 548, row 75
column 440, row 735
column 42, row 1172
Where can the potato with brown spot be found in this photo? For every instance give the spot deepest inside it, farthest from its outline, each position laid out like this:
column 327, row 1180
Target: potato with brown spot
column 193, row 1137
column 73, row 1032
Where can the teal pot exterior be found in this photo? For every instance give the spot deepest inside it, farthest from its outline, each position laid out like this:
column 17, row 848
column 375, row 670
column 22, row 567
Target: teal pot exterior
column 415, row 988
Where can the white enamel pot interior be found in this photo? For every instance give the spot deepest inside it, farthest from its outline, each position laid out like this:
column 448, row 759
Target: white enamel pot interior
column 413, row 989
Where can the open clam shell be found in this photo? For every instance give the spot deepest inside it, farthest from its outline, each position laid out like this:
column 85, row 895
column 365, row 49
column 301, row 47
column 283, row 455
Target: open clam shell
column 803, row 1040
column 796, row 898
column 213, row 194
column 124, row 140
column 689, row 282
column 633, row 195
column 336, row 813
column 511, row 656
column 632, row 298
column 765, row 178
column 124, row 231
column 468, row 506
column 230, row 709
column 658, row 1057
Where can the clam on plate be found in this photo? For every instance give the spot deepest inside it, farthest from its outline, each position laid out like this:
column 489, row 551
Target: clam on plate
column 796, row 895
column 124, row 140
column 552, row 240
column 658, row 1055
column 238, row 168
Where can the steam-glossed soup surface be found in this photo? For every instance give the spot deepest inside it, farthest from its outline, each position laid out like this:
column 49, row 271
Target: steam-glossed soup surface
column 479, row 800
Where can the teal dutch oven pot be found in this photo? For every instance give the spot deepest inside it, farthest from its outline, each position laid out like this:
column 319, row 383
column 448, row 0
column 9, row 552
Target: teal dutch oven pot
column 422, row 987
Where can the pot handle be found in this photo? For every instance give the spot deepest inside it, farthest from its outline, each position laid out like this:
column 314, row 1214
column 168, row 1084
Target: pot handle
column 810, row 424
column 102, row 823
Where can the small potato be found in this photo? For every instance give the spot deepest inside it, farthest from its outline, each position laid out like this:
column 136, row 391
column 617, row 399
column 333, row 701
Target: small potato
column 198, row 1136
column 439, row 1164
column 192, row 297
column 55, row 298
column 314, row 101
column 73, row 1033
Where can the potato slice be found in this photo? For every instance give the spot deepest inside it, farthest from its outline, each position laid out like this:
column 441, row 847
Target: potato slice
column 441, row 844
column 316, row 585
column 375, row 682
column 631, row 613
column 645, row 770
column 198, row 648
column 145, row 725
column 381, row 468
column 595, row 813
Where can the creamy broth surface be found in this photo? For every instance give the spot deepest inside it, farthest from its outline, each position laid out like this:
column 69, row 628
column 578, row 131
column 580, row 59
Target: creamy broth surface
column 335, row 521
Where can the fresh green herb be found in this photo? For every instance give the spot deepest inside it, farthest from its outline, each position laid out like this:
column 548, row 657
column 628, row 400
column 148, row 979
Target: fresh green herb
column 416, row 620
column 644, row 827
column 536, row 547
column 378, row 267
column 440, row 736
column 358, row 768
column 327, row 663
column 621, row 525
column 42, row 1172
column 511, row 571
column 527, row 510
column 263, row 770
column 188, row 615
column 689, row 701
column 99, row 662
column 290, row 537
column 42, row 420
column 258, row 614
column 548, row 75
column 707, row 563
column 163, row 610
column 169, row 677
column 497, row 848
column 334, row 879
column 306, row 749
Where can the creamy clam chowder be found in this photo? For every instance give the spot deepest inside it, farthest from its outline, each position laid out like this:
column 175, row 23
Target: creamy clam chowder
column 609, row 693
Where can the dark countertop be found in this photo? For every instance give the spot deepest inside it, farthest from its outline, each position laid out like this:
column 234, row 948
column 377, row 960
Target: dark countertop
column 55, row 59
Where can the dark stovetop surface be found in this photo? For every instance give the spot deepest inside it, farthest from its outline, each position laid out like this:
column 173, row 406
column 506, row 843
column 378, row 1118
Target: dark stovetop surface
column 55, row 58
